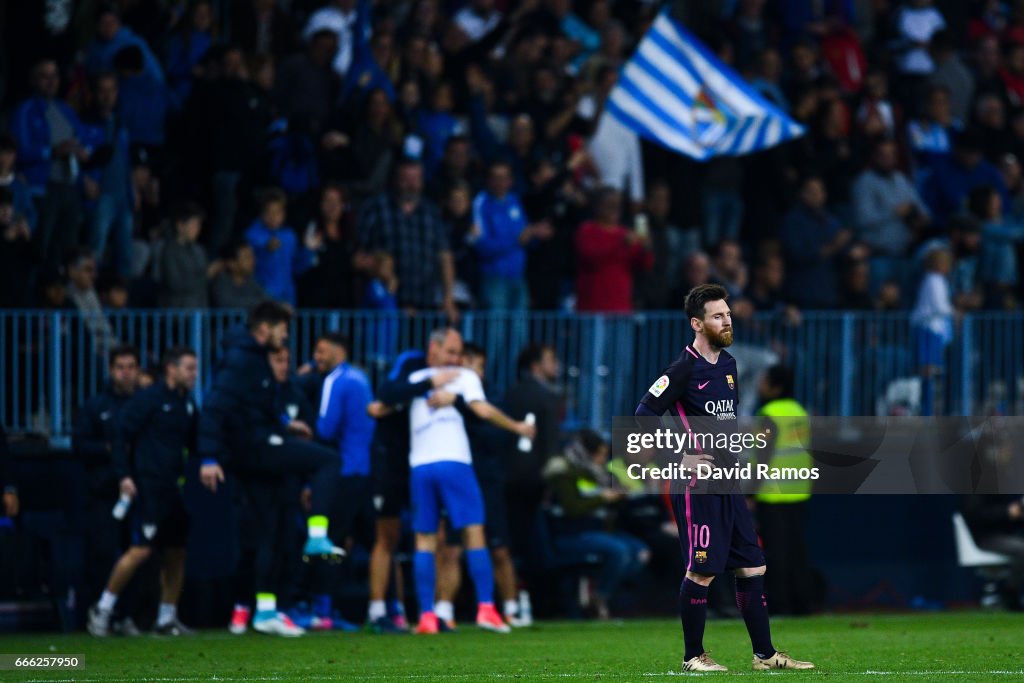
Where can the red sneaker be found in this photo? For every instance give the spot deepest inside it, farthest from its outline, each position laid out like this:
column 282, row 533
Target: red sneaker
column 488, row 619
column 428, row 624
column 239, row 621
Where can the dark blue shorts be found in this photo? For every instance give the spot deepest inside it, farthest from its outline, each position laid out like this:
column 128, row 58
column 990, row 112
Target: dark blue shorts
column 716, row 532
column 450, row 486
column 159, row 518
column 931, row 347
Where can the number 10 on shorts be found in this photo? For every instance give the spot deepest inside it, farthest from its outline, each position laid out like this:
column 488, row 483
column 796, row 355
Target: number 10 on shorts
column 701, row 535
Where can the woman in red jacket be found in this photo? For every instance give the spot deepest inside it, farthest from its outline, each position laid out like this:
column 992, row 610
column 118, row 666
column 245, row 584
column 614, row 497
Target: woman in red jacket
column 607, row 253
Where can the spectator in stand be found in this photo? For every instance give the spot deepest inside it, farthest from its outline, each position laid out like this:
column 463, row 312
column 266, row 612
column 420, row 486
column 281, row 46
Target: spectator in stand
column 375, row 138
column 17, row 260
column 474, row 21
column 409, row 227
column 232, row 153
column 379, row 296
column 457, row 166
column 280, row 258
column 112, row 37
column 50, row 150
column 765, row 293
column 143, row 100
column 812, row 242
column 998, row 260
column 990, row 125
column 500, row 238
column 331, row 283
column 916, row 23
column 767, row 78
column 436, row 124
column 1012, row 75
column 889, row 213
column 952, row 179
column 952, row 74
column 262, row 27
column 81, row 293
column 235, row 286
column 181, row 268
column 965, row 245
column 340, row 17
column 696, row 271
column 186, row 48
column 987, row 65
column 113, row 292
column 14, row 183
column 108, row 183
column 607, row 255
column 371, row 60
column 932, row 322
column 728, row 268
column 669, row 245
column 457, row 214
column 1013, row 178
column 876, row 116
column 306, row 84
column 556, row 198
column 855, row 286
column 614, row 148
column 930, row 137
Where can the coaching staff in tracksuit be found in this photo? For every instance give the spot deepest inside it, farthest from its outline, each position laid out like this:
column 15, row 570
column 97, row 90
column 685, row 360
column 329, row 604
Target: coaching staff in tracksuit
column 92, row 443
column 157, row 427
column 242, row 428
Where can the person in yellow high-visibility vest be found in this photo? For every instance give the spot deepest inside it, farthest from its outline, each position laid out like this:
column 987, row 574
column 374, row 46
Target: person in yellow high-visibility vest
column 782, row 504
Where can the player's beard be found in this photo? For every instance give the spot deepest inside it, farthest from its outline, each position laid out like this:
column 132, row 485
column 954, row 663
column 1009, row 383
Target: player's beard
column 719, row 339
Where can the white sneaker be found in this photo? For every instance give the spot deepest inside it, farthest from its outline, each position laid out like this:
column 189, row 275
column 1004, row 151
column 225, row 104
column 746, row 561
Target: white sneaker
column 99, row 622
column 278, row 625
column 516, row 621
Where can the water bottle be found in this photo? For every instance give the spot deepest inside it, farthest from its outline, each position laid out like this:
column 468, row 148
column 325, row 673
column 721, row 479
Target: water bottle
column 121, row 508
column 525, row 608
column 525, row 442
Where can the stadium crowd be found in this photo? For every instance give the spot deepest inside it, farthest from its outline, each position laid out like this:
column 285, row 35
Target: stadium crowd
column 421, row 155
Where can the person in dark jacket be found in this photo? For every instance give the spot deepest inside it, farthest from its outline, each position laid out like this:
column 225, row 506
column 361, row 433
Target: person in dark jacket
column 92, row 443
column 589, row 496
column 158, row 428
column 997, row 524
column 242, row 428
column 537, row 393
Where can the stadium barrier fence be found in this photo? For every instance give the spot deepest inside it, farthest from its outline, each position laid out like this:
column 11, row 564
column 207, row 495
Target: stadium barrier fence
column 846, row 363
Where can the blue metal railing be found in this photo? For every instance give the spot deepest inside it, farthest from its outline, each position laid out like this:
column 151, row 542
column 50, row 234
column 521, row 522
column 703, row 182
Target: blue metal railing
column 846, row 363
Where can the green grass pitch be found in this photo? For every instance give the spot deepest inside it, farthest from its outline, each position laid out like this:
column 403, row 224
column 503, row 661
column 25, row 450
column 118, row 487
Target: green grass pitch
column 917, row 647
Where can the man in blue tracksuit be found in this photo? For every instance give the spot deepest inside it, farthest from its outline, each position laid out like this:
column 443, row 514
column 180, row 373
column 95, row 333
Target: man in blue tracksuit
column 500, row 238
column 158, row 428
column 243, row 427
column 344, row 423
column 92, row 443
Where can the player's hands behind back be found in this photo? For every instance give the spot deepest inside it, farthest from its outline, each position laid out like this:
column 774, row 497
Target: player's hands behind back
column 211, row 475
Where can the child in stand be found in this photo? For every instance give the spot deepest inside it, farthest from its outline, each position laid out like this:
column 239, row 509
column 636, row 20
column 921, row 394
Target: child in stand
column 380, row 297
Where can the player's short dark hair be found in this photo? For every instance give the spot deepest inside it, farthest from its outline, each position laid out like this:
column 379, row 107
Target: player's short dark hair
column 270, row 312
column 781, row 377
column 272, row 195
column 978, row 200
column 698, row 297
column 173, row 356
column 473, row 349
column 530, row 354
column 335, row 338
column 121, row 351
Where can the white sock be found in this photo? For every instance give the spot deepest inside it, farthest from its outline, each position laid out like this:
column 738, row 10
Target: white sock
column 167, row 613
column 377, row 610
column 444, row 610
column 107, row 602
column 266, row 602
column 511, row 608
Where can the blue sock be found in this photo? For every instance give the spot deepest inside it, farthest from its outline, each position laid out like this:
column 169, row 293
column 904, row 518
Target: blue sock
column 754, row 608
column 423, row 570
column 322, row 605
column 693, row 613
column 479, row 561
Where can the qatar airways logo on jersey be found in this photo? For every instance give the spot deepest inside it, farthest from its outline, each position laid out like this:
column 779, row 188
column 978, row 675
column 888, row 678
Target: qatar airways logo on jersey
column 722, row 409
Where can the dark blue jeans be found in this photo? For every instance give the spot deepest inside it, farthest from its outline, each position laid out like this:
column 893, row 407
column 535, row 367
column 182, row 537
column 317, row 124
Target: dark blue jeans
column 624, row 556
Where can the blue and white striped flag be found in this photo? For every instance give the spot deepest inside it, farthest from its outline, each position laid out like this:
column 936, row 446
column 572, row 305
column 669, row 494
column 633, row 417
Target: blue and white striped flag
column 675, row 92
